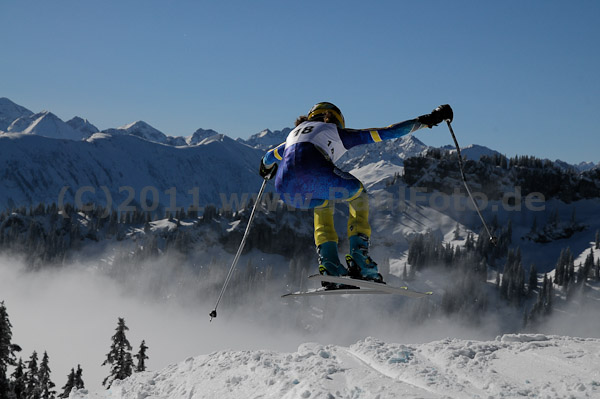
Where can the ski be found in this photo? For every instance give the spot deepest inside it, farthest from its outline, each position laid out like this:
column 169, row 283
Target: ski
column 323, row 291
column 370, row 286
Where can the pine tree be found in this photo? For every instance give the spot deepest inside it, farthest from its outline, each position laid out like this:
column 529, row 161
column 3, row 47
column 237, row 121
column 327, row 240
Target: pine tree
column 7, row 350
column 597, row 239
column 543, row 305
column 570, row 271
column 457, row 232
column 18, row 381
column 69, row 385
column 470, row 242
column 78, row 378
column 549, row 296
column 494, row 225
column 74, row 381
column 32, row 382
column 141, row 357
column 534, row 225
column 588, row 267
column 119, row 358
column 46, row 384
column 533, row 279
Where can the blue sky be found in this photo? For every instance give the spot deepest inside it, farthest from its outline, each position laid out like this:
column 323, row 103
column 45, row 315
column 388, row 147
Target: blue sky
column 522, row 76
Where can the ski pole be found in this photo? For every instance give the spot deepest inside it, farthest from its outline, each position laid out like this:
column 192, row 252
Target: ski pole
column 213, row 314
column 493, row 239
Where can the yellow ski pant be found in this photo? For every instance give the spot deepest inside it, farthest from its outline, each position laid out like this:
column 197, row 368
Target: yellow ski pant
column 358, row 220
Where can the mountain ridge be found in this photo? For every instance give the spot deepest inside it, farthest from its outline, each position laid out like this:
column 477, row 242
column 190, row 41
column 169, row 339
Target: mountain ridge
column 37, row 169
column 78, row 128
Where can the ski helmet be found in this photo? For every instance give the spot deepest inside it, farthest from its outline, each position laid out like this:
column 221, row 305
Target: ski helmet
column 318, row 110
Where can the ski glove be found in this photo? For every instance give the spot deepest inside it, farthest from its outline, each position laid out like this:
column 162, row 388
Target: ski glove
column 440, row 114
column 267, row 173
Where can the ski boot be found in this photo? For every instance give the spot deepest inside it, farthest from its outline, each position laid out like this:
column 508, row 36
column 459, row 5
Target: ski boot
column 330, row 265
column 360, row 264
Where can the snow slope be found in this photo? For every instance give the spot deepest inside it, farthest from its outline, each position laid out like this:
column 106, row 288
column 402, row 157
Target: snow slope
column 511, row 366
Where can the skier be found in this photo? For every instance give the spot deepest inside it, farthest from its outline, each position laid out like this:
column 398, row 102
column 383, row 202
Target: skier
column 308, row 178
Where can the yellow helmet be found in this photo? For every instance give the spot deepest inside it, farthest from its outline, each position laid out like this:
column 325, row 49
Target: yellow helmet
column 317, row 112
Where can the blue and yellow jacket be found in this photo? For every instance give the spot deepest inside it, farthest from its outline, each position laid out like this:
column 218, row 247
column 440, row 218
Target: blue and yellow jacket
column 348, row 138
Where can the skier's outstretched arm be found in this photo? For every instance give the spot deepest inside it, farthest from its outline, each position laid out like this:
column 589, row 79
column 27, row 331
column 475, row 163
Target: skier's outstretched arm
column 274, row 155
column 353, row 137
column 268, row 163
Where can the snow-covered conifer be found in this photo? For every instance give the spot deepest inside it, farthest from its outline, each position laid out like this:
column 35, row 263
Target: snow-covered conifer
column 17, row 384
column 46, row 384
column 533, row 279
column 69, row 385
column 32, row 381
column 79, row 378
column 7, row 349
column 119, row 358
column 141, row 357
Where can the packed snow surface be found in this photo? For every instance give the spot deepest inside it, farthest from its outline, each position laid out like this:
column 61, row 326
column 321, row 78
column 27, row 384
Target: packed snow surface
column 511, row 366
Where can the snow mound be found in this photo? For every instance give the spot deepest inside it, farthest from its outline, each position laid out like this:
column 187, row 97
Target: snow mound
column 510, row 366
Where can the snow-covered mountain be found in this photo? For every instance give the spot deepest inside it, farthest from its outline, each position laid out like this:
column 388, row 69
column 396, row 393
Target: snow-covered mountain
column 82, row 125
column 200, row 135
column 267, row 139
column 374, row 164
column 9, row 112
column 580, row 167
column 37, row 169
column 140, row 129
column 511, row 366
column 143, row 130
column 17, row 119
column 45, row 124
column 473, row 151
column 583, row 166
